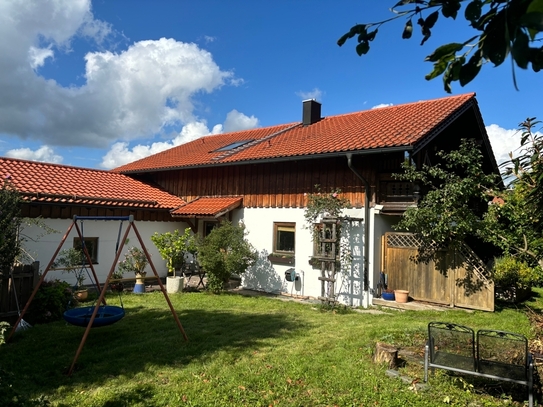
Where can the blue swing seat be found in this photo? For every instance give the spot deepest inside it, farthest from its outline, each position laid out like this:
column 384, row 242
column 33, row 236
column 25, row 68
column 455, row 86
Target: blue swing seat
column 107, row 315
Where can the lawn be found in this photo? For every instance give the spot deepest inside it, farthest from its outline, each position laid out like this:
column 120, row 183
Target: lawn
column 247, row 351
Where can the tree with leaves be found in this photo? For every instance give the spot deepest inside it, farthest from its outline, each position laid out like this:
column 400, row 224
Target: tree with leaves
column 10, row 221
column 514, row 220
column 452, row 209
column 503, row 28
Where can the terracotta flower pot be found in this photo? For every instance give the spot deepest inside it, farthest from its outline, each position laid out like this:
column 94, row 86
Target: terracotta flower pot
column 401, row 295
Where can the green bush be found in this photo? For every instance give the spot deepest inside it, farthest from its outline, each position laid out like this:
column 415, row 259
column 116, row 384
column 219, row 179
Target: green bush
column 225, row 252
column 511, row 272
column 4, row 328
column 52, row 299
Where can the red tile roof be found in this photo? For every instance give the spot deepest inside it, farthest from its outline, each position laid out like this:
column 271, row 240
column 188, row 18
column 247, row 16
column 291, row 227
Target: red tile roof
column 42, row 182
column 208, row 206
column 387, row 127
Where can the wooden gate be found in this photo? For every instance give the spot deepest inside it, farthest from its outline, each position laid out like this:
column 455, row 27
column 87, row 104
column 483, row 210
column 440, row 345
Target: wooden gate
column 22, row 283
column 456, row 278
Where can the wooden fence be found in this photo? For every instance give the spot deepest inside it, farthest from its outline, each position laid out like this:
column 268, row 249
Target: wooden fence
column 458, row 279
column 21, row 283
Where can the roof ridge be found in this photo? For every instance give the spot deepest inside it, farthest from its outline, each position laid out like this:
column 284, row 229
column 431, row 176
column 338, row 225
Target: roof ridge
column 470, row 94
column 236, row 150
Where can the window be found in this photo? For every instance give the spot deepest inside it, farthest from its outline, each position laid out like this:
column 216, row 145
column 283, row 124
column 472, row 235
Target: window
column 284, row 237
column 234, row 145
column 209, row 226
column 91, row 243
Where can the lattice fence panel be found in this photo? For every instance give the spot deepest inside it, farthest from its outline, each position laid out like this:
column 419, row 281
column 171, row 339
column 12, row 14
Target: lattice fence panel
column 402, row 240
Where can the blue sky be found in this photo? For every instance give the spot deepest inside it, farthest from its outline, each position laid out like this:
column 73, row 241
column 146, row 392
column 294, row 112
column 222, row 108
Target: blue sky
column 98, row 84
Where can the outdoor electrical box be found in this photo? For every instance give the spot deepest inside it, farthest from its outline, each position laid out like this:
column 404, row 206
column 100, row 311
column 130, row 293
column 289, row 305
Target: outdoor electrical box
column 290, row 275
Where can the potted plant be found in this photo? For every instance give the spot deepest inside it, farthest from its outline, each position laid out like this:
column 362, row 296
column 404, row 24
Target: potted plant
column 72, row 261
column 173, row 247
column 135, row 261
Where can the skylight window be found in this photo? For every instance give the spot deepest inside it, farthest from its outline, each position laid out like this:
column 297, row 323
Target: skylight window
column 231, row 146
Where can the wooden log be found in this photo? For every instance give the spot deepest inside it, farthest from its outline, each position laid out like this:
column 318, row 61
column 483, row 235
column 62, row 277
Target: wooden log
column 385, row 353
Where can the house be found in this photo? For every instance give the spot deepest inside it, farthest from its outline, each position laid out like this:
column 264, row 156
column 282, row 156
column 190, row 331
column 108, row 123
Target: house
column 261, row 177
column 57, row 193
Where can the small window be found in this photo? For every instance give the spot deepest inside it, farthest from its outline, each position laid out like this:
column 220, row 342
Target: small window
column 91, row 243
column 209, row 226
column 231, row 146
column 284, row 237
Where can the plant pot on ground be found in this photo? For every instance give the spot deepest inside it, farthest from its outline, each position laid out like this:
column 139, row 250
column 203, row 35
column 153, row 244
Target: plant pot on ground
column 173, row 247
column 135, row 261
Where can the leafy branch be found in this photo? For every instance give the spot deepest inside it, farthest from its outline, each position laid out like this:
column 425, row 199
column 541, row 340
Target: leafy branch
column 505, row 28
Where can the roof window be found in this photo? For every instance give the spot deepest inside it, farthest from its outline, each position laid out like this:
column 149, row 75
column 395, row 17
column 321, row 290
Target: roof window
column 231, row 146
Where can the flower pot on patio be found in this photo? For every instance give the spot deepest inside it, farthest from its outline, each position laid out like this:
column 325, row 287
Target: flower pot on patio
column 174, row 284
column 401, row 295
column 139, row 287
column 388, row 296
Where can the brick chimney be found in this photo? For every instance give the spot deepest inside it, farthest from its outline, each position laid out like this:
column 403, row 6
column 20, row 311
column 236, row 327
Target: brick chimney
column 311, row 112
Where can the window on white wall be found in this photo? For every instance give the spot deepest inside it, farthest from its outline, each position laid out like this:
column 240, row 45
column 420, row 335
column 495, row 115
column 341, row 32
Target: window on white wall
column 91, row 243
column 284, row 237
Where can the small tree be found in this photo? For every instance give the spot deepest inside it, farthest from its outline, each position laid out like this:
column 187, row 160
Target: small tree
column 224, row 252
column 452, row 209
column 173, row 247
column 10, row 221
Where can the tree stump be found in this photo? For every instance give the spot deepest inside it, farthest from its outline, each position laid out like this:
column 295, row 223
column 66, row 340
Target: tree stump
column 385, row 353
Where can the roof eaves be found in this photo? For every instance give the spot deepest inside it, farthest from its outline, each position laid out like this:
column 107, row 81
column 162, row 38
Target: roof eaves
column 404, row 147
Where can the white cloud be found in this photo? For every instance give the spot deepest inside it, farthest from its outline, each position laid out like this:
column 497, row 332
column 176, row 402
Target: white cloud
column 236, row 121
column 37, row 56
column 382, row 105
column 134, row 93
column 43, row 154
column 316, row 94
column 121, row 154
column 503, row 142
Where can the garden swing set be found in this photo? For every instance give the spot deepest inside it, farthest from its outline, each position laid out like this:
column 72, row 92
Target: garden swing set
column 100, row 314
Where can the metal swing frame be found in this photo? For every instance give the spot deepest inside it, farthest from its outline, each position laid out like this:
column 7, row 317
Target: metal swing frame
column 102, row 290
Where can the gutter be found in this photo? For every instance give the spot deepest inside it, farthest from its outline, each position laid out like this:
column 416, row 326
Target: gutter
column 367, row 192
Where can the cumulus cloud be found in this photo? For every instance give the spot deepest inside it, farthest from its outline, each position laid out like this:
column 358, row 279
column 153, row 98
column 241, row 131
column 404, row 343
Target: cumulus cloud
column 120, row 153
column 503, row 142
column 316, row 94
column 236, row 121
column 43, row 154
column 134, row 93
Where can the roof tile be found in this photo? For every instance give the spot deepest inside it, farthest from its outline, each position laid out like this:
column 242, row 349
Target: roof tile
column 394, row 126
column 208, row 206
column 45, row 182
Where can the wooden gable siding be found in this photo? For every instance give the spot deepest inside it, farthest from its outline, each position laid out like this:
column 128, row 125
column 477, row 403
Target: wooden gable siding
column 52, row 211
column 272, row 185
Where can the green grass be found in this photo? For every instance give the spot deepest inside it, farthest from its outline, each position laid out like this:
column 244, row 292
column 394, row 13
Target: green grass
column 246, row 351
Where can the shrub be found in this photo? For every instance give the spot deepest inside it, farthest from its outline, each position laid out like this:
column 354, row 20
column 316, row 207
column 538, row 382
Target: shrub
column 4, row 328
column 225, row 252
column 52, row 299
column 511, row 272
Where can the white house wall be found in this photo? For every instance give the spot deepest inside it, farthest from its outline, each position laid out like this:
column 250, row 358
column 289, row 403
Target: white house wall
column 42, row 248
column 268, row 277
